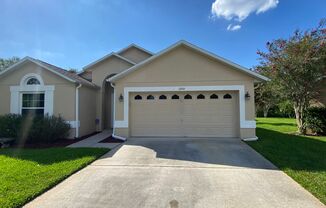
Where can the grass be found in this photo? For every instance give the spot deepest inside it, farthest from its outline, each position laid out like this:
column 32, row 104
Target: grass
column 301, row 157
column 26, row 173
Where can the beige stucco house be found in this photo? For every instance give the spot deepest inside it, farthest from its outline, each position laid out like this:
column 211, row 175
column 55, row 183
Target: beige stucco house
column 182, row 91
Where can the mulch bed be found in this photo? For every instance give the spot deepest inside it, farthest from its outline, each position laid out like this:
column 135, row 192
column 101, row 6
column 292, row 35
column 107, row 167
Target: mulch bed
column 110, row 139
column 56, row 143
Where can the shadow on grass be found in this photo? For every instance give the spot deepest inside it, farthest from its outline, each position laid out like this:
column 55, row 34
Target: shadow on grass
column 52, row 155
column 291, row 151
column 276, row 124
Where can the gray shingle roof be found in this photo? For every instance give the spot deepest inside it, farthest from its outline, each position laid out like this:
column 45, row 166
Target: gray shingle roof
column 72, row 75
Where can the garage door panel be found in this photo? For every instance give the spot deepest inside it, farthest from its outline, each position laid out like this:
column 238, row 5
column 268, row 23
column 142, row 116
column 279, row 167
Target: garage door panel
column 191, row 118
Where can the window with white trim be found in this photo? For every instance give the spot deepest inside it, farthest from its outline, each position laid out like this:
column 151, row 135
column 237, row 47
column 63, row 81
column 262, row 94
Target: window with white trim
column 32, row 104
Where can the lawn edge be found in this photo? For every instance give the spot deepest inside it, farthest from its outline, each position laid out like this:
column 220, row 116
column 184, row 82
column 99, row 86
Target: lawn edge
column 55, row 183
column 246, row 142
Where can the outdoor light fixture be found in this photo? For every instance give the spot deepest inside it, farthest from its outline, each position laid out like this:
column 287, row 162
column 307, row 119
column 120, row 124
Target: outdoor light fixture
column 121, row 98
column 247, row 95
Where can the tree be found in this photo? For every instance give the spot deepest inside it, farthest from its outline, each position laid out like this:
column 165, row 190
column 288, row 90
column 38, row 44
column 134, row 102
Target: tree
column 297, row 66
column 4, row 63
column 265, row 95
column 72, row 70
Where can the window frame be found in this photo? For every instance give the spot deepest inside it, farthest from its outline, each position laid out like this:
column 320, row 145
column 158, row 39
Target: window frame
column 22, row 108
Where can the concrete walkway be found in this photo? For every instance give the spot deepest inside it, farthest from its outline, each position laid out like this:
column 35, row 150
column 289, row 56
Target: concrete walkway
column 93, row 141
column 177, row 173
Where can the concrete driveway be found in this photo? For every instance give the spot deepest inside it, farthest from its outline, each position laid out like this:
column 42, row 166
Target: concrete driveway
column 179, row 172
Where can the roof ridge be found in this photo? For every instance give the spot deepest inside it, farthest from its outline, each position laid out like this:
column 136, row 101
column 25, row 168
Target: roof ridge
column 136, row 46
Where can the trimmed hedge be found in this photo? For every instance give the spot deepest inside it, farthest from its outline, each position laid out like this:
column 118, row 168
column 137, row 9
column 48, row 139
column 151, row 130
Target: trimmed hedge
column 33, row 129
column 315, row 120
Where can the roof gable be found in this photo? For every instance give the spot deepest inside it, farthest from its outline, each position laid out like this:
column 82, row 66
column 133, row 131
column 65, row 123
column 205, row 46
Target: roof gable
column 136, row 47
column 110, row 55
column 202, row 51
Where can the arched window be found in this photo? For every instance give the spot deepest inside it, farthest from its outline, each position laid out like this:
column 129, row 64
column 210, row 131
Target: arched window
column 33, row 81
column 201, row 96
column 227, row 96
column 162, row 97
column 188, row 97
column 150, row 97
column 138, row 97
column 213, row 96
column 175, row 97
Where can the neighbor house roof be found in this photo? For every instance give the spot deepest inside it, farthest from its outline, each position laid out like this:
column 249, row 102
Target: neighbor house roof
column 70, row 76
column 122, row 74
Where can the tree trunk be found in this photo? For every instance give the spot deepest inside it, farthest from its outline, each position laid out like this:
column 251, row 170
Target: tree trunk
column 298, row 110
column 265, row 113
column 266, row 109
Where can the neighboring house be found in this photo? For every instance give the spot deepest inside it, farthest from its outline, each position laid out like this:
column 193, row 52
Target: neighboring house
column 182, row 91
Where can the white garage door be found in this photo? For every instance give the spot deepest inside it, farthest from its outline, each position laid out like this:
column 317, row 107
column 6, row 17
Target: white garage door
column 185, row 114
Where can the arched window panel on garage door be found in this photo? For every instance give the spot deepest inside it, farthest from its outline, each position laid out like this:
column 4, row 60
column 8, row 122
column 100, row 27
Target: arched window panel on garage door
column 201, row 97
column 162, row 97
column 175, row 97
column 227, row 96
column 213, row 96
column 187, row 97
column 150, row 97
column 138, row 97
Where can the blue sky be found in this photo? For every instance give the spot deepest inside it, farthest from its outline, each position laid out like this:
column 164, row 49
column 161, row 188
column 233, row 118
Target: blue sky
column 72, row 34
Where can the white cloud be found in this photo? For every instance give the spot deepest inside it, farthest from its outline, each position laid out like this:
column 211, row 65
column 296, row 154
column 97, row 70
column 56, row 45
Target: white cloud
column 233, row 27
column 240, row 9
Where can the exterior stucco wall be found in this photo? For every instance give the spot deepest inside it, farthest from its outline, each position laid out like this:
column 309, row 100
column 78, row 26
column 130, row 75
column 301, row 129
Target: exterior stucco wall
column 100, row 72
column 87, row 110
column 135, row 55
column 64, row 92
column 184, row 67
column 247, row 133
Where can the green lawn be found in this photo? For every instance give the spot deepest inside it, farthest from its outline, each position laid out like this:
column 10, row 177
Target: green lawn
column 26, row 173
column 301, row 157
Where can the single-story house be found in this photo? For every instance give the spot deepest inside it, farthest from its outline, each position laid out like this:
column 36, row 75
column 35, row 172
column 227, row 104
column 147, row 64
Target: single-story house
column 182, row 91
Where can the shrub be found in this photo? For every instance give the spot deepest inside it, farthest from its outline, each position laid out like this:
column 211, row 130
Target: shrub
column 10, row 125
column 33, row 129
column 315, row 119
column 47, row 129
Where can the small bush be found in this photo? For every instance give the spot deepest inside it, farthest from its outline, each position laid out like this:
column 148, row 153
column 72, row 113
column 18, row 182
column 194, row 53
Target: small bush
column 47, row 129
column 33, row 129
column 10, row 125
column 315, row 120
